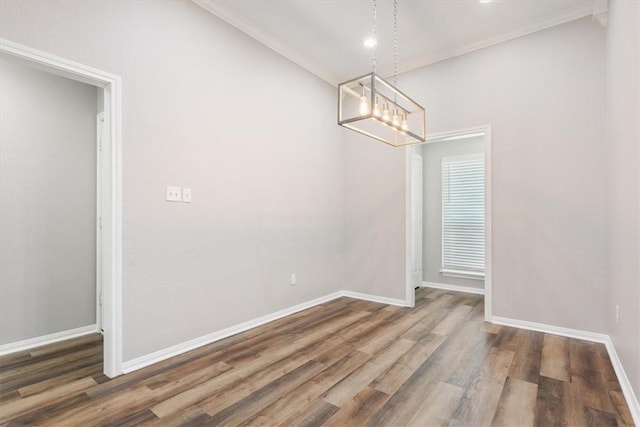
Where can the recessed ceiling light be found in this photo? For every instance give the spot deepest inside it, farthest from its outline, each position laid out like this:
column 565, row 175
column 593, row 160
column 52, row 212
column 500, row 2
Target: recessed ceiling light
column 485, row 1
column 370, row 42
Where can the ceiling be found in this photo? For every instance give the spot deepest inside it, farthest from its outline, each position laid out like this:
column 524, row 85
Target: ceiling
column 326, row 36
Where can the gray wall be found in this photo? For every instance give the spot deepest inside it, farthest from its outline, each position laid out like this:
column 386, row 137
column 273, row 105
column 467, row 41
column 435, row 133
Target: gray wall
column 544, row 95
column 47, row 203
column 432, row 154
column 252, row 134
column 374, row 217
column 623, row 138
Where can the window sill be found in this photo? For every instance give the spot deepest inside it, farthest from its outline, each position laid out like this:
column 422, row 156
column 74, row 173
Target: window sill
column 473, row 275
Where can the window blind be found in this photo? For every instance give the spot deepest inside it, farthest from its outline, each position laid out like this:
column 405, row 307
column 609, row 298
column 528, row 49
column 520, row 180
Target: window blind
column 463, row 213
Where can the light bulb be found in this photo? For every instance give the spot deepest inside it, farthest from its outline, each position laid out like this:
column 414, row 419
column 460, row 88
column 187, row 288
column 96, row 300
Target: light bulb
column 396, row 119
column 376, row 109
column 385, row 113
column 364, row 105
column 404, row 125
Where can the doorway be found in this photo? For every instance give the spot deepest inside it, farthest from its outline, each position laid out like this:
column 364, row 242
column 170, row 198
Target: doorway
column 109, row 183
column 460, row 259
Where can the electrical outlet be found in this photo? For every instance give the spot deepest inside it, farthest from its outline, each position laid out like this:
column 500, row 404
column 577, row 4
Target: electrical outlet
column 617, row 313
column 174, row 194
column 293, row 279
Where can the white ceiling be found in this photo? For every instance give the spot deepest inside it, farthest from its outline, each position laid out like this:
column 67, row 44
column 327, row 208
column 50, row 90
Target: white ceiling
column 326, row 36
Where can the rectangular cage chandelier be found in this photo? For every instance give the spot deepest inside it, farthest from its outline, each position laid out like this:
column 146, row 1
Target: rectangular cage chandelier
column 374, row 107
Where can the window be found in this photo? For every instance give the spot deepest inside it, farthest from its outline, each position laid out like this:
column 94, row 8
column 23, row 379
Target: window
column 463, row 215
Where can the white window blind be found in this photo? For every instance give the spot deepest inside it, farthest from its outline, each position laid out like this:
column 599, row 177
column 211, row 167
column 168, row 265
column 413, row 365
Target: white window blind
column 463, row 213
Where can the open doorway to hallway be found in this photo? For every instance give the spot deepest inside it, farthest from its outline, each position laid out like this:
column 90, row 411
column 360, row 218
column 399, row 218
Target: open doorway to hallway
column 449, row 215
column 48, row 198
column 49, row 183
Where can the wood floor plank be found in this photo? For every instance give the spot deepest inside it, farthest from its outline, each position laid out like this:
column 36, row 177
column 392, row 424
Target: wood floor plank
column 289, row 408
column 623, row 415
column 65, row 346
column 595, row 417
column 391, row 332
column 41, row 415
column 29, row 357
column 551, row 403
column 480, row 401
column 528, row 356
column 93, row 411
column 260, row 399
column 359, row 410
column 587, row 375
column 438, row 367
column 392, row 379
column 426, row 324
column 15, row 408
column 345, row 362
column 251, row 383
column 555, row 358
column 77, row 374
column 47, row 365
column 191, row 416
column 314, row 415
column 42, row 373
column 358, row 380
column 438, row 406
column 214, row 402
column 517, row 404
column 457, row 315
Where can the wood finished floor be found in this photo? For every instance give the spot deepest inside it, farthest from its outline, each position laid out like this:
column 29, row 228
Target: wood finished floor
column 343, row 363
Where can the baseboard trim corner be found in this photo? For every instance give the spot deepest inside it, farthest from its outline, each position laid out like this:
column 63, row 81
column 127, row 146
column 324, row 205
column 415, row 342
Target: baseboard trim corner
column 175, row 350
column 551, row 329
column 375, row 298
column 625, row 384
column 47, row 339
column 455, row 288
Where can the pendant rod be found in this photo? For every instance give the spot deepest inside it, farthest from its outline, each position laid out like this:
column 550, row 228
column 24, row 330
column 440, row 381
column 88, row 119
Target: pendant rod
column 374, row 36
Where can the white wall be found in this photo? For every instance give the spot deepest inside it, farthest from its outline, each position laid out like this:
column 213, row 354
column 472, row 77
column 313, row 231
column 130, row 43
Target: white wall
column 47, row 203
column 253, row 136
column 623, row 138
column 544, row 95
column 432, row 154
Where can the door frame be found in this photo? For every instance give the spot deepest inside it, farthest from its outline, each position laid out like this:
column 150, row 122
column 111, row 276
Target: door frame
column 100, row 122
column 488, row 274
column 417, row 157
column 110, row 211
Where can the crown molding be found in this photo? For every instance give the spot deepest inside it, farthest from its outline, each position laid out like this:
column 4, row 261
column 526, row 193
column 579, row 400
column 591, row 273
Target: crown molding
column 263, row 37
column 597, row 9
column 531, row 27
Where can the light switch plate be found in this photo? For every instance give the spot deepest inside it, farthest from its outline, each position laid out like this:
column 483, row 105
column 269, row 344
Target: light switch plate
column 186, row 195
column 174, row 194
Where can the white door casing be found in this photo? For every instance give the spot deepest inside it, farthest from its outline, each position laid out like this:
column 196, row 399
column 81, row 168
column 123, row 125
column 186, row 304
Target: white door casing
column 416, row 219
column 110, row 215
column 99, row 203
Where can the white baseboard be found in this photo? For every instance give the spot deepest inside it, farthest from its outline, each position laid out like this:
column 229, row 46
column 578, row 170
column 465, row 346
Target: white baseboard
column 47, row 339
column 160, row 355
column 375, row 298
column 175, row 350
column 625, row 384
column 550, row 329
column 455, row 288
